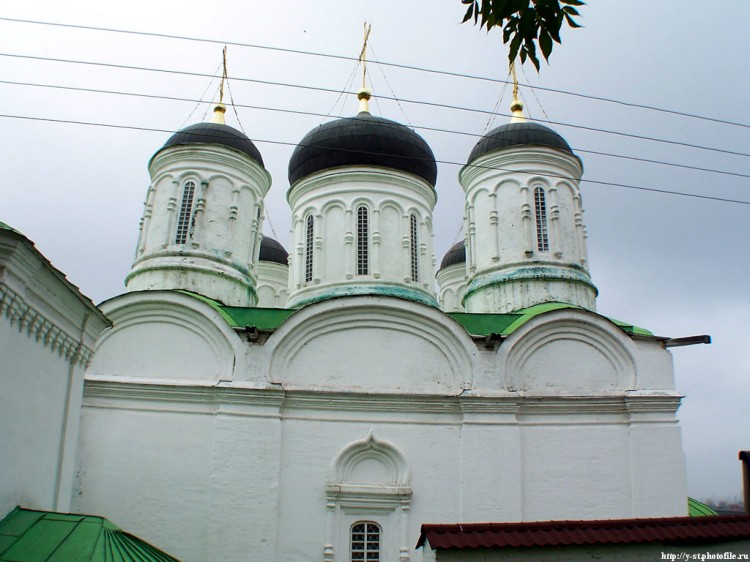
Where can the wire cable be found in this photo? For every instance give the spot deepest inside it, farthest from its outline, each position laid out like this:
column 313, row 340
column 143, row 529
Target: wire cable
column 448, row 162
column 314, row 114
column 330, row 90
column 391, row 64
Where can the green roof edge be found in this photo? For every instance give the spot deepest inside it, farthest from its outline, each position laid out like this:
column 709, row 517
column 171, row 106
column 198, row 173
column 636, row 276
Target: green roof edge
column 475, row 324
column 699, row 509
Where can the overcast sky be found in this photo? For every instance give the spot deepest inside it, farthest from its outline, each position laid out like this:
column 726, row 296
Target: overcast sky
column 675, row 265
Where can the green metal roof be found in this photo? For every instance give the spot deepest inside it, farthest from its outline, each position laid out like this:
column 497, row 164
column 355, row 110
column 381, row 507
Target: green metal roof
column 5, row 226
column 699, row 509
column 475, row 324
column 41, row 536
column 242, row 316
column 506, row 324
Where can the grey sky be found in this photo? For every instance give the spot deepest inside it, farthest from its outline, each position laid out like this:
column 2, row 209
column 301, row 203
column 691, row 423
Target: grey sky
column 674, row 265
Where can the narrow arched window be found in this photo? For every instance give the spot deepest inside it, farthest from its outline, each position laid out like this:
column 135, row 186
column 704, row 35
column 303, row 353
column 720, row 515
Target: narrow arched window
column 309, row 250
column 186, row 210
column 414, row 247
column 363, row 236
column 540, row 210
column 365, row 541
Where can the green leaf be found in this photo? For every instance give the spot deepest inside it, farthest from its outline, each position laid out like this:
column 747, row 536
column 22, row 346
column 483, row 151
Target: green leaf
column 545, row 43
column 469, row 14
column 515, row 44
column 573, row 2
column 571, row 22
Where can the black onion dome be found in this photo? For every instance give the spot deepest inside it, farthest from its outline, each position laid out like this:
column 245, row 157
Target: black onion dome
column 456, row 254
column 271, row 250
column 526, row 133
column 215, row 133
column 364, row 140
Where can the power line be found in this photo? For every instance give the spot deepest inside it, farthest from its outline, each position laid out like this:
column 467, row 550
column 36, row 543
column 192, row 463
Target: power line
column 313, row 114
column 391, row 64
column 448, row 162
column 330, row 90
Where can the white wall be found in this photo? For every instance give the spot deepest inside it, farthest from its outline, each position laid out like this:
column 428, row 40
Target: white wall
column 47, row 330
column 219, row 467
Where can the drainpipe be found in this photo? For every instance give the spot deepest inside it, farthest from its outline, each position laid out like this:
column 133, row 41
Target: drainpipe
column 745, row 460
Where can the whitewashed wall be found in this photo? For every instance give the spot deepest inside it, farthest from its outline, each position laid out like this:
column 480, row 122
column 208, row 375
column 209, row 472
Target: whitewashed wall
column 332, row 197
column 225, row 225
column 506, row 270
column 255, row 461
column 47, row 332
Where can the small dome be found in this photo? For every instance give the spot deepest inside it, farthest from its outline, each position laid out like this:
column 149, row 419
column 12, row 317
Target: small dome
column 271, row 250
column 510, row 135
column 457, row 254
column 215, row 133
column 364, row 140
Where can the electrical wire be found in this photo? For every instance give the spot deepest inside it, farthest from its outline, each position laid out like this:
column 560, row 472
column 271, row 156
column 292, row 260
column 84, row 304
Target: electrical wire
column 314, row 114
column 448, row 162
column 427, row 103
column 391, row 64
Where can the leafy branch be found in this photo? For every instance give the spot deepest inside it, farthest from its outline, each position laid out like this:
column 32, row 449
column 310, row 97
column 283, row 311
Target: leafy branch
column 525, row 23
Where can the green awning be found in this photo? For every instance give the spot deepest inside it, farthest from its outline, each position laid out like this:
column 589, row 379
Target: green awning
column 41, row 536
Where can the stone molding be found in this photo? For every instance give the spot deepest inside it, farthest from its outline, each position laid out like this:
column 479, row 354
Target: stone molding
column 115, row 392
column 35, row 324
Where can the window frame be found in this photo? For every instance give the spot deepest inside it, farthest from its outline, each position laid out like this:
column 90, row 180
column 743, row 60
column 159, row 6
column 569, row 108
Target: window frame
column 309, row 242
column 540, row 219
column 368, row 553
column 363, row 240
column 414, row 247
column 186, row 214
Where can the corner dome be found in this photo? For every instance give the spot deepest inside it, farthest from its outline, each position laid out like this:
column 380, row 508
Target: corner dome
column 364, row 140
column 456, row 254
column 272, row 251
column 526, row 133
column 215, row 133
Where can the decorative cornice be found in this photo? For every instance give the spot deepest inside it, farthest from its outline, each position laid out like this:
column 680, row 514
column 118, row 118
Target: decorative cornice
column 285, row 401
column 530, row 272
column 528, row 160
column 31, row 321
column 311, row 295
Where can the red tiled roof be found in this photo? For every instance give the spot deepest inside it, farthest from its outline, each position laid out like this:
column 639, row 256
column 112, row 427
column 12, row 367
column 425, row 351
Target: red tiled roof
column 568, row 533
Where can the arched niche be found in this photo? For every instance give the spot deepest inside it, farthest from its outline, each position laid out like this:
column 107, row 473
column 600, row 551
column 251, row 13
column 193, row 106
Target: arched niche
column 165, row 335
column 568, row 353
column 369, row 482
column 372, row 343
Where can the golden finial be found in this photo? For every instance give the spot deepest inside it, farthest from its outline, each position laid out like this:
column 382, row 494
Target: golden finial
column 364, row 93
column 516, row 107
column 220, row 108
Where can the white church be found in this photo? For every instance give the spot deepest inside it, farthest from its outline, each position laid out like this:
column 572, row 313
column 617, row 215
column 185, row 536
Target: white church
column 238, row 402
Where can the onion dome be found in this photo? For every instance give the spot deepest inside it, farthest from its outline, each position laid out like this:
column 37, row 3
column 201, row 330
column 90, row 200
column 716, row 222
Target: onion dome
column 271, row 250
column 215, row 133
column 364, row 140
column 511, row 135
column 456, row 254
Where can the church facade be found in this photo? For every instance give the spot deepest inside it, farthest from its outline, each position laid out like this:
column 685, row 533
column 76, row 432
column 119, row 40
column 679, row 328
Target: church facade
column 246, row 403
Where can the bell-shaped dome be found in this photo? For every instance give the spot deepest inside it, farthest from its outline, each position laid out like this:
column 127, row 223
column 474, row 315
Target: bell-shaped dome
column 273, row 251
column 216, row 134
column 511, row 135
column 456, row 254
column 364, row 140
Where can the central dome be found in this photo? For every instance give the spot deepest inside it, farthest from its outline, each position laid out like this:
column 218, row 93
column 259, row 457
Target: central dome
column 364, row 140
